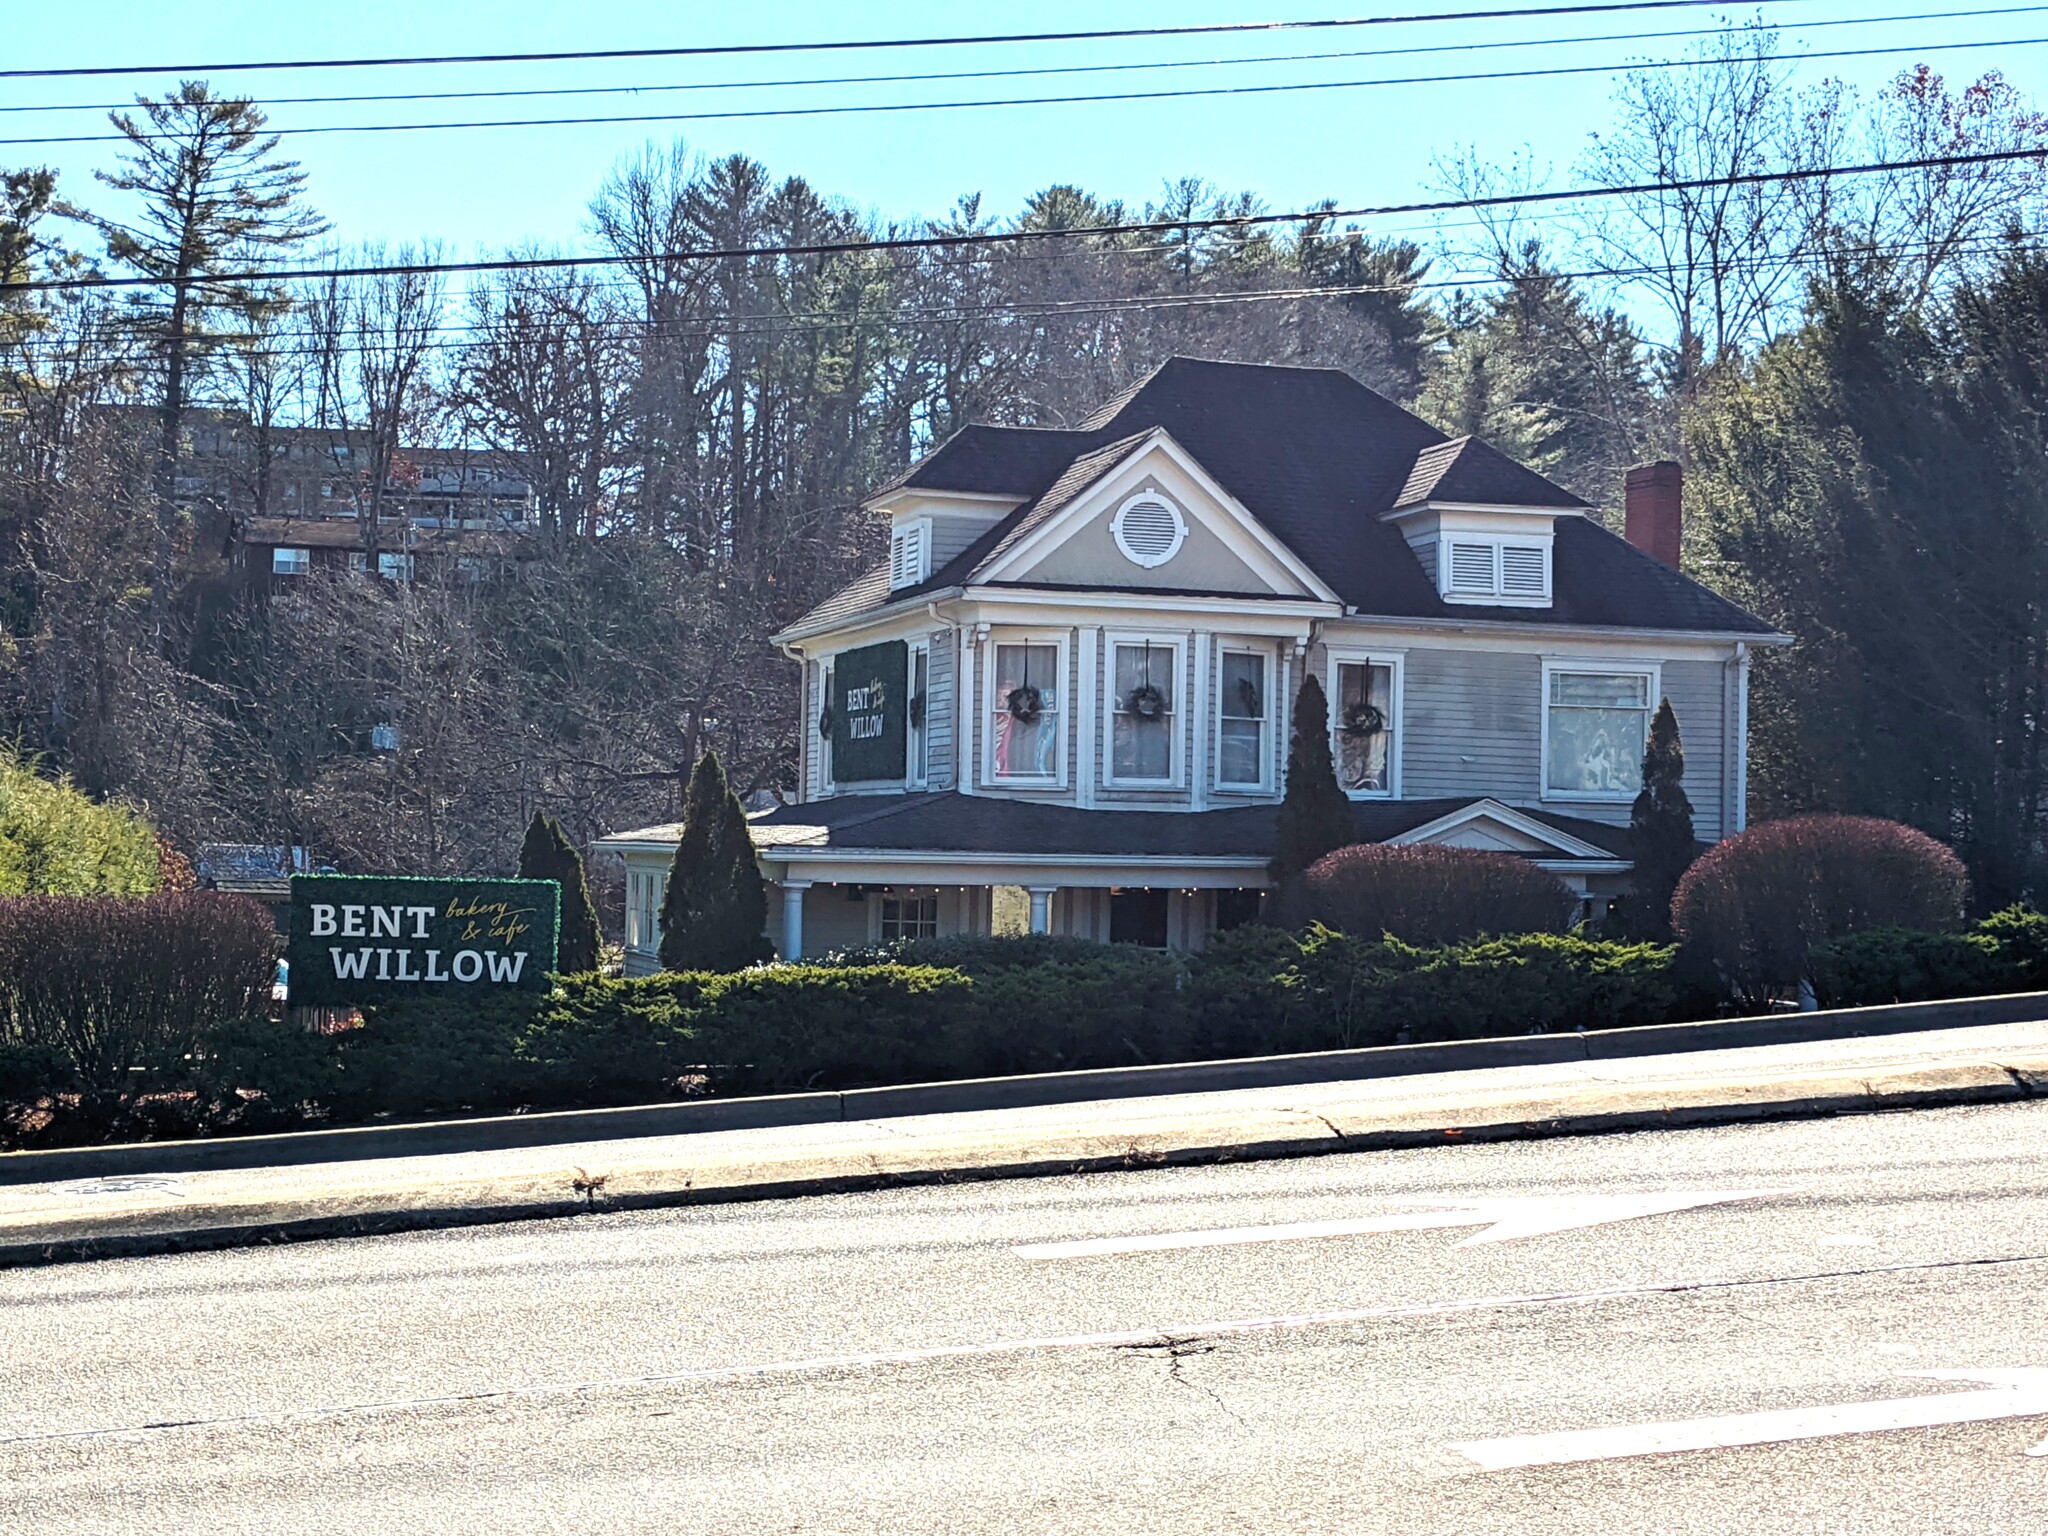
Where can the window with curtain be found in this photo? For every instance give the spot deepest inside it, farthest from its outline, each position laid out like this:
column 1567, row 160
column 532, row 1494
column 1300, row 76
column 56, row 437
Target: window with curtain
column 1142, row 713
column 1242, row 711
column 1364, row 725
column 1026, row 738
column 1597, row 725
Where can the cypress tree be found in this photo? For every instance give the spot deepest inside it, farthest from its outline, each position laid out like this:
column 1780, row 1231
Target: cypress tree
column 1315, row 813
column 547, row 854
column 715, row 915
column 1660, row 831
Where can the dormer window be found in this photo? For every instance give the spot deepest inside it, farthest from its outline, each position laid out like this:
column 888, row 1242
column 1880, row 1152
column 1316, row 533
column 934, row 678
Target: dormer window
column 910, row 551
column 1482, row 569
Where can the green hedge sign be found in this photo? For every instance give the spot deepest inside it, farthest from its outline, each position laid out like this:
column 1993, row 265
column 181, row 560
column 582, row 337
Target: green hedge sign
column 870, row 712
column 368, row 938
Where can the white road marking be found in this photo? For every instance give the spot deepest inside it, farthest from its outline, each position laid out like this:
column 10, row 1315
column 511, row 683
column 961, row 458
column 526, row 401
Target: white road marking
column 2012, row 1394
column 1506, row 1220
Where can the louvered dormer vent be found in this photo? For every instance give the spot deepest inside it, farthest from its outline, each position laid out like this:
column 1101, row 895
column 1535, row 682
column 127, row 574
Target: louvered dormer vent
column 909, row 554
column 1493, row 570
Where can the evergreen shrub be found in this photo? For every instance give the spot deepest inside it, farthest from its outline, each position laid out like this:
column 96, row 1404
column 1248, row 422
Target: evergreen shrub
column 1753, row 908
column 2006, row 952
column 56, row 840
column 547, row 854
column 715, row 911
column 1427, row 894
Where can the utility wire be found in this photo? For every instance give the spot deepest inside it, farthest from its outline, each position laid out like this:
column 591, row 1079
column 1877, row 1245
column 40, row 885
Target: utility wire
column 1180, row 94
column 1103, row 34
column 1024, row 236
column 1060, row 69
column 792, row 323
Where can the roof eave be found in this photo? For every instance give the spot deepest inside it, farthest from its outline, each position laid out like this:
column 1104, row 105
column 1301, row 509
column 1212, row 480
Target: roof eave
column 866, row 618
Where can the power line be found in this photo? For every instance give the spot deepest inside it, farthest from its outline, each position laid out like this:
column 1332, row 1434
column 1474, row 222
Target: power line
column 843, row 45
column 817, row 321
column 1180, row 94
column 812, row 81
column 1022, row 236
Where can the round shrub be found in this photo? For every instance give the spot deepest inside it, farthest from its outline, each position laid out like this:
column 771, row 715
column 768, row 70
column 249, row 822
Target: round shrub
column 1755, row 907
column 1431, row 895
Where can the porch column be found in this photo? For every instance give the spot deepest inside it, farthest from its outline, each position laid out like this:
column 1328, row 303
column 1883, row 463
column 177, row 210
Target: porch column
column 793, row 918
column 1041, row 907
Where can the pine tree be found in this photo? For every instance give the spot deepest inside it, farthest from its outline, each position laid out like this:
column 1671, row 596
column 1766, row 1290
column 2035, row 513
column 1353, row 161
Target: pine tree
column 1315, row 813
column 1660, row 830
column 715, row 914
column 547, row 854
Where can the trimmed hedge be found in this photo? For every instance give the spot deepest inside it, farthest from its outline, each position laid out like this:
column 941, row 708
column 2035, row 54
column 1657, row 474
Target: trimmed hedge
column 1427, row 894
column 1754, row 907
column 2007, row 952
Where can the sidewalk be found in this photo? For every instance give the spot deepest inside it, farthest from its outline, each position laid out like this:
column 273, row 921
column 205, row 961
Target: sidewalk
column 145, row 1212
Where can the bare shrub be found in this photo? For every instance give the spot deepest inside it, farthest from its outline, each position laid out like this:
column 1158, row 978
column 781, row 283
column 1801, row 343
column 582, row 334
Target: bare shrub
column 120, row 985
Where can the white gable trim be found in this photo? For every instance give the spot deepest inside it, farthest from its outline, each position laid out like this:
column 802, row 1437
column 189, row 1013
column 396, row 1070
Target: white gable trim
column 1528, row 827
column 1240, row 532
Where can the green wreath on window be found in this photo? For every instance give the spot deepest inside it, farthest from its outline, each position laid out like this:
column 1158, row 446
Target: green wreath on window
column 1363, row 719
column 1025, row 704
column 1146, row 702
column 1248, row 697
column 917, row 710
column 825, row 722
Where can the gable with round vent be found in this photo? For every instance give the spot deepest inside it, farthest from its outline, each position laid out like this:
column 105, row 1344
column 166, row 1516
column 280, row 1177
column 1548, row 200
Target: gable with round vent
column 1149, row 530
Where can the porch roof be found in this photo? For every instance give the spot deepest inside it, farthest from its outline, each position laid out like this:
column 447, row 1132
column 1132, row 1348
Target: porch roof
column 943, row 822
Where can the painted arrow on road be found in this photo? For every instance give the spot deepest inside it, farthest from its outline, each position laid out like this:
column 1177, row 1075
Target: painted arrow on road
column 2010, row 1394
column 1508, row 1219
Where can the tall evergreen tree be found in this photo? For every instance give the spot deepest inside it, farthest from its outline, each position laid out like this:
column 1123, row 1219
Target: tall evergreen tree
column 1315, row 813
column 715, row 915
column 547, row 854
column 215, row 199
column 1660, row 830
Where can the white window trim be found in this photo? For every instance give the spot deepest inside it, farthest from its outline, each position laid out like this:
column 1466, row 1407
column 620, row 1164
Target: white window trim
column 1398, row 660
column 922, row 566
column 1180, row 529
column 877, row 898
column 1263, row 785
column 298, row 560
column 916, row 740
column 1496, row 542
column 1177, row 719
column 1061, row 640
column 825, row 784
column 1552, row 665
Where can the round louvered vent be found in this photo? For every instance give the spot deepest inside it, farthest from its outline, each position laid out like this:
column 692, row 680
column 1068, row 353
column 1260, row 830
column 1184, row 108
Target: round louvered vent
column 1148, row 529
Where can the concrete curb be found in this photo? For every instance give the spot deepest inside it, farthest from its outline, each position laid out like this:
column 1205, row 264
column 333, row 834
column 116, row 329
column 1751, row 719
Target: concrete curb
column 505, row 1132
column 73, row 1234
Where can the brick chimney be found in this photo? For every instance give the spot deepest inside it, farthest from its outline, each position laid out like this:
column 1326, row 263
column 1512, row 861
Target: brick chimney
column 1652, row 494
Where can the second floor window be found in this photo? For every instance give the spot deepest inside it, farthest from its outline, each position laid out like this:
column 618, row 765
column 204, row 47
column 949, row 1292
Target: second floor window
column 1241, row 708
column 1024, row 725
column 1596, row 726
column 1363, row 724
column 1143, row 717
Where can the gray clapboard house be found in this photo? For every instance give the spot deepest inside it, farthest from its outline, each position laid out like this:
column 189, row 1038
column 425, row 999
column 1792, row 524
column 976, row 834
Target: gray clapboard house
column 1063, row 701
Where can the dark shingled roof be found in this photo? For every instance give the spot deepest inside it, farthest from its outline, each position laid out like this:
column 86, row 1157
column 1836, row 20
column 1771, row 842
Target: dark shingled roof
column 947, row 822
column 1317, row 458
column 1465, row 469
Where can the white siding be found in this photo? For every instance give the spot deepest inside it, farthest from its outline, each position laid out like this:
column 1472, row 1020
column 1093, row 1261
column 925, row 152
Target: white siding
column 939, row 707
column 1472, row 724
column 1695, row 689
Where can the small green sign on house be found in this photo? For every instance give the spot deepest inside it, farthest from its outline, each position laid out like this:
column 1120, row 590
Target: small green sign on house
column 870, row 712
column 368, row 938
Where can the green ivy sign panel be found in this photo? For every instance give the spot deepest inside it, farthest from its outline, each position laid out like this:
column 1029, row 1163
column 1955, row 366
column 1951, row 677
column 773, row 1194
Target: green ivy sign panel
column 368, row 938
column 870, row 712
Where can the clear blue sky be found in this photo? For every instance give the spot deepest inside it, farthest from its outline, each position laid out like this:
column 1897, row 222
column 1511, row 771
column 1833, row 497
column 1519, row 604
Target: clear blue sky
column 483, row 189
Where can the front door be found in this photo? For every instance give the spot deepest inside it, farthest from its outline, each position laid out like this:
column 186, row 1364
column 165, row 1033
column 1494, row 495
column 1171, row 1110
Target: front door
column 1138, row 917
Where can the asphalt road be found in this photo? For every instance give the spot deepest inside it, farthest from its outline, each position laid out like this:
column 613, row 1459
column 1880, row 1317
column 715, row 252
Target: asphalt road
column 889, row 1363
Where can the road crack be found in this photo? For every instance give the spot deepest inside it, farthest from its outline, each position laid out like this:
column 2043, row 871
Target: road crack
column 1176, row 1353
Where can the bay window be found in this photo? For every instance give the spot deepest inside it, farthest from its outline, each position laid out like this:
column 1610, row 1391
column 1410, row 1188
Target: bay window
column 1144, row 714
column 1596, row 723
column 1242, row 709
